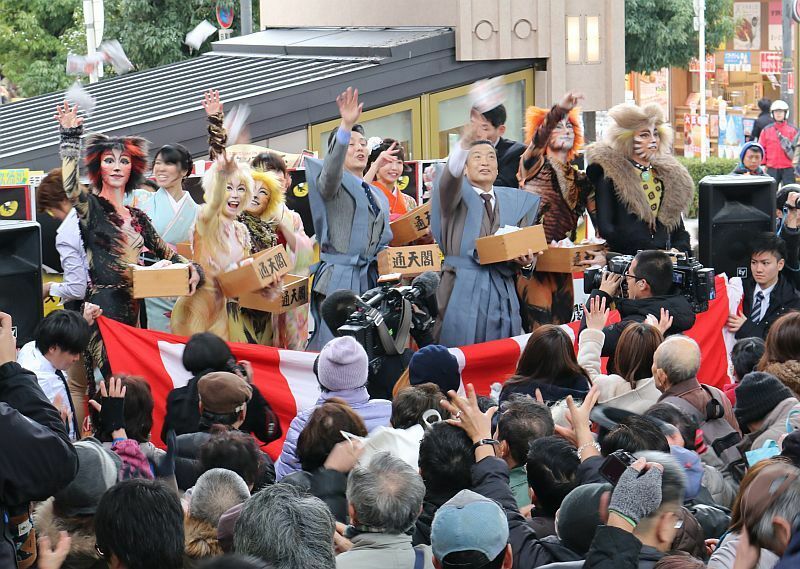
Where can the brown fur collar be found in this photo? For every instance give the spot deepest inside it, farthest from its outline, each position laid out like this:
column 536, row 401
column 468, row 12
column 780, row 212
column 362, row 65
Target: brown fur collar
column 678, row 184
column 201, row 539
column 81, row 551
column 788, row 372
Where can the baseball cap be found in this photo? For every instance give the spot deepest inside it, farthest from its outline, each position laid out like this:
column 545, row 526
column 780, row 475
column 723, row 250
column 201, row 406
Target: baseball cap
column 223, row 392
column 469, row 522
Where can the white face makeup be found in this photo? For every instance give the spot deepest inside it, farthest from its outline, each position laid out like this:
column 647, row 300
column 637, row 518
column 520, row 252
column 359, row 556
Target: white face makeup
column 645, row 143
column 234, row 195
column 563, row 136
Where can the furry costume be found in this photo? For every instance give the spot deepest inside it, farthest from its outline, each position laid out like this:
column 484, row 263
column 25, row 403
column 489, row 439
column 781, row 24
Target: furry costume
column 547, row 298
column 82, row 554
column 626, row 218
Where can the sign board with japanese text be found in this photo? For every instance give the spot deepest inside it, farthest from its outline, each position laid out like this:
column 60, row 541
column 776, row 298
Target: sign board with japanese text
column 256, row 272
column 293, row 293
column 410, row 261
column 412, row 225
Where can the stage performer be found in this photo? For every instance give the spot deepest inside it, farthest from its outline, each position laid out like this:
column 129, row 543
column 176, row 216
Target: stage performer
column 173, row 213
column 554, row 138
column 477, row 303
column 640, row 189
column 219, row 241
column 113, row 234
column 351, row 218
column 290, row 329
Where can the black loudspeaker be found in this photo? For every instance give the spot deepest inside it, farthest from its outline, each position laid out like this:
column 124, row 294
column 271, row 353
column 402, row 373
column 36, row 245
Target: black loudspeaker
column 732, row 210
column 21, row 276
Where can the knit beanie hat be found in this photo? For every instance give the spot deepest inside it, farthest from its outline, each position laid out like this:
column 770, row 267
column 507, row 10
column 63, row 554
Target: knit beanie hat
column 98, row 470
column 435, row 364
column 756, row 395
column 791, row 447
column 342, row 365
column 579, row 516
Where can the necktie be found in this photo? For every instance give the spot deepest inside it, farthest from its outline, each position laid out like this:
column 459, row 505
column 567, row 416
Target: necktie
column 74, row 424
column 755, row 312
column 371, row 199
column 487, row 203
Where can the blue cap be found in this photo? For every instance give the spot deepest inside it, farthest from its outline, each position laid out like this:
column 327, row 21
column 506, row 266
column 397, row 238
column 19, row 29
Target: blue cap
column 435, row 364
column 692, row 467
column 747, row 146
column 469, row 522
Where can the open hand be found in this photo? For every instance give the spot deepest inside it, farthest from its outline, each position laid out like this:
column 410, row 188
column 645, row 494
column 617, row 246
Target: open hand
column 50, row 558
column 471, row 131
column 596, row 313
column 349, row 108
column 663, row 323
column 571, row 100
column 211, row 102
column 388, row 156
column 67, row 116
column 467, row 415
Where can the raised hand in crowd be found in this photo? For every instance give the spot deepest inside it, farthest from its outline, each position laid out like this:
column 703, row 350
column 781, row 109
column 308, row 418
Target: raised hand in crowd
column 91, row 312
column 112, row 408
column 466, row 414
column 596, row 313
column 67, row 116
column 349, row 108
column 471, row 131
column 50, row 558
column 211, row 102
column 636, row 495
column 663, row 322
column 610, row 283
column 579, row 433
column 571, row 100
column 8, row 343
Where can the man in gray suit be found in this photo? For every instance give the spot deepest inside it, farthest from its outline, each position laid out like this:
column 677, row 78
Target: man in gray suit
column 351, row 218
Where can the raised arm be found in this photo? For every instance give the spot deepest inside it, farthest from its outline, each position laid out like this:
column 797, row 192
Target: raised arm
column 449, row 184
column 217, row 137
column 532, row 159
column 330, row 180
column 71, row 129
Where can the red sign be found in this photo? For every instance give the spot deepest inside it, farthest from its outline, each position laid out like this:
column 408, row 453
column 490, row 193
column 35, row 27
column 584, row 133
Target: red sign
column 694, row 64
column 771, row 62
column 224, row 14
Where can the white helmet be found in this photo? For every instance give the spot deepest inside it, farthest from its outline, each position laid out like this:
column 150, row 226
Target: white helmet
column 779, row 105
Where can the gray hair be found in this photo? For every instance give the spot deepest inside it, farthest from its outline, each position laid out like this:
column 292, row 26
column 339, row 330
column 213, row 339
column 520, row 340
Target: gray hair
column 217, row 491
column 386, row 494
column 286, row 528
column 673, row 478
column 786, row 506
column 679, row 357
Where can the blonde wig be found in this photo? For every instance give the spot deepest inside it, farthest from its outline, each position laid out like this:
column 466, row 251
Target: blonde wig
column 534, row 117
column 627, row 119
column 209, row 220
column 274, row 188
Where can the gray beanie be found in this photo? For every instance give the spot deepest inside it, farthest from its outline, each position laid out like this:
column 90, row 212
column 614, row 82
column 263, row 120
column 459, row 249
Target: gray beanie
column 98, row 470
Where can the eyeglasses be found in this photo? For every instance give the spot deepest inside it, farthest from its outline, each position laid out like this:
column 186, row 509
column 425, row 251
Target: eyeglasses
column 99, row 551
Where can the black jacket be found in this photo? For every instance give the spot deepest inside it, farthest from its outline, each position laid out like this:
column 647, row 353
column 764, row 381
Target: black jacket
column 764, row 120
column 430, row 505
column 631, row 310
column 490, row 478
column 50, row 256
column 508, row 154
column 37, row 458
column 183, row 414
column 613, row 548
column 330, row 486
column 577, row 386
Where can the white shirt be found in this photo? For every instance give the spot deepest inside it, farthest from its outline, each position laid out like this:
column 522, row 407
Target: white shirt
column 33, row 360
column 765, row 302
column 456, row 163
column 176, row 205
column 73, row 260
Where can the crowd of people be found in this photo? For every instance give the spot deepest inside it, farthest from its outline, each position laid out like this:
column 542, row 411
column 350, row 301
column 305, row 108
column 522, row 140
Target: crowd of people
column 614, row 454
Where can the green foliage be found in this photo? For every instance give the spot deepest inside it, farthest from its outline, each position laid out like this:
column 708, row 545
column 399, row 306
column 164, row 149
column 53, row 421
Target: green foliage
column 37, row 35
column 713, row 166
column 661, row 34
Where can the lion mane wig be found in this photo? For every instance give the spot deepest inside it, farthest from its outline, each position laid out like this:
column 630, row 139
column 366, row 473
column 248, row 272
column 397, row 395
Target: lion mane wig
column 134, row 146
column 627, row 119
column 534, row 117
column 274, row 187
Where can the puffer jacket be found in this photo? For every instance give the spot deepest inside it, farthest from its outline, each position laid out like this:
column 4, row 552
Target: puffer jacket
column 375, row 412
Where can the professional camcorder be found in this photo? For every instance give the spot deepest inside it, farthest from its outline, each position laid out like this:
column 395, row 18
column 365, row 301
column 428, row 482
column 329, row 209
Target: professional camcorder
column 385, row 316
column 689, row 279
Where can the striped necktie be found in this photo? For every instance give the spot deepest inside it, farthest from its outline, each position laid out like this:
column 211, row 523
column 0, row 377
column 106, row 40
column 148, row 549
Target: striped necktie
column 755, row 312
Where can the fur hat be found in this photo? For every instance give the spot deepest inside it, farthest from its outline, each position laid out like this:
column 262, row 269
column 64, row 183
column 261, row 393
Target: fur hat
column 534, row 117
column 627, row 118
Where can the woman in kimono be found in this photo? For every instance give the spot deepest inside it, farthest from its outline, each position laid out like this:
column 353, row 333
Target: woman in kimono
column 173, row 212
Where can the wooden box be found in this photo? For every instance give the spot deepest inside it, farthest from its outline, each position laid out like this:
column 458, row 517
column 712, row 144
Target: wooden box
column 410, row 261
column 500, row 248
column 566, row 259
column 184, row 250
column 411, row 226
column 172, row 280
column 294, row 292
column 256, row 272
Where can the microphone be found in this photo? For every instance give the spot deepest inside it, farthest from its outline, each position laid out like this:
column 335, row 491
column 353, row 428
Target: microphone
column 424, row 285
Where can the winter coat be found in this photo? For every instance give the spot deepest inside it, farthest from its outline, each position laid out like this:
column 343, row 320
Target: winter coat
column 637, row 310
column 614, row 548
column 375, row 412
column 82, row 554
column 508, row 154
column 577, row 386
column 430, row 505
column 49, row 462
column 774, row 156
column 721, row 488
column 382, row 551
column 725, row 554
column 624, row 217
column 201, row 542
column 764, row 119
column 615, row 390
column 788, row 372
column 774, row 425
column 330, row 486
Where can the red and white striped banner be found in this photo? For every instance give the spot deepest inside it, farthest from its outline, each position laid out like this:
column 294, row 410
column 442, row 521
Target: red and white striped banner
column 287, row 380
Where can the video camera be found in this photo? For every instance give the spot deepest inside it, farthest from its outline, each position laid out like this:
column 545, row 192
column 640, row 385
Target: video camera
column 385, row 317
column 689, row 279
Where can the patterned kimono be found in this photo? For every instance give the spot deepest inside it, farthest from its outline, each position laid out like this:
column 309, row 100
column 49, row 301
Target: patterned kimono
column 174, row 222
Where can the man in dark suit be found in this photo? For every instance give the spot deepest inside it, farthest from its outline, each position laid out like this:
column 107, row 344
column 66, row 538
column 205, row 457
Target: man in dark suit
column 492, row 128
column 771, row 289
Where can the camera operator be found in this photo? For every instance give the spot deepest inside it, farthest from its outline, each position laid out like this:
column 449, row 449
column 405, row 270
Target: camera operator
column 646, row 290
column 340, row 305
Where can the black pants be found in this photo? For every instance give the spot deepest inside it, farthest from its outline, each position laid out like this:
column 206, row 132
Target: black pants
column 782, row 175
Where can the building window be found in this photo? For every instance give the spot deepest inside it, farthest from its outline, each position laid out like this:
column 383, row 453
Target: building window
column 573, row 39
column 592, row 39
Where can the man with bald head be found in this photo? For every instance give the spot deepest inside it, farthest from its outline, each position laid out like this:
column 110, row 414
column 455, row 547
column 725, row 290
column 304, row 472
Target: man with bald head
column 675, row 366
column 477, row 303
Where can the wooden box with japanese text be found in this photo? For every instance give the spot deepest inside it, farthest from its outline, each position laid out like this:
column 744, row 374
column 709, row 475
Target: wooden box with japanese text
column 256, row 272
column 150, row 282
column 410, row 261
column 411, row 226
column 509, row 246
column 294, row 292
column 566, row 259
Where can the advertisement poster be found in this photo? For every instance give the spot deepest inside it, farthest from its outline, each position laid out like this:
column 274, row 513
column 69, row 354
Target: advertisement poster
column 770, row 62
column 774, row 26
column 736, row 61
column 731, row 136
column 691, row 135
column 747, row 25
